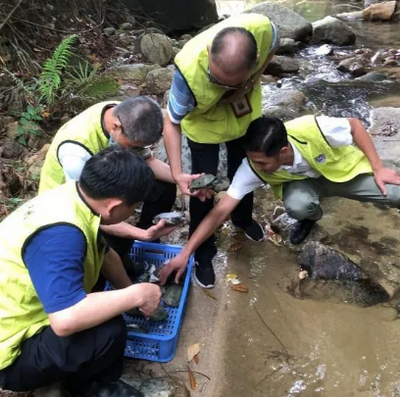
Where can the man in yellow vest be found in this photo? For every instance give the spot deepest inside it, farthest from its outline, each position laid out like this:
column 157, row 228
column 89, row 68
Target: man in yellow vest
column 303, row 160
column 53, row 328
column 135, row 123
column 215, row 94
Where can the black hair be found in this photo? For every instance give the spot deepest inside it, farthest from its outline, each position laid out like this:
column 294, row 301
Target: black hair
column 117, row 173
column 221, row 42
column 266, row 135
column 141, row 119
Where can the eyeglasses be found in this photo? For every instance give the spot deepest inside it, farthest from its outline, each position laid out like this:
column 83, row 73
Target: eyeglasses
column 134, row 147
column 213, row 80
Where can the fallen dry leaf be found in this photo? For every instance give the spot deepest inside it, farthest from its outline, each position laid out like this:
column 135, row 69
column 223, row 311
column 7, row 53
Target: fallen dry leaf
column 209, row 294
column 196, row 359
column 240, row 288
column 192, row 351
column 192, row 379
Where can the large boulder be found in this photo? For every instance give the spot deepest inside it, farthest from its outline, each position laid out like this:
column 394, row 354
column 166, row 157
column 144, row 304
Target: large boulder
column 354, row 66
column 375, row 12
column 289, row 24
column 333, row 31
column 157, row 48
column 175, row 15
column 380, row 12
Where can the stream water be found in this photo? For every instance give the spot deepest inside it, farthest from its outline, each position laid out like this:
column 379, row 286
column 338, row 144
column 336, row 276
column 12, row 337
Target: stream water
column 280, row 346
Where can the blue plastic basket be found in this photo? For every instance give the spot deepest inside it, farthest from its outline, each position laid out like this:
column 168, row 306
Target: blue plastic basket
column 161, row 340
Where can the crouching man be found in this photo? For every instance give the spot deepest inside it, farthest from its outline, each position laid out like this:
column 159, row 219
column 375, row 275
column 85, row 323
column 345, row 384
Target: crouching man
column 303, row 161
column 52, row 328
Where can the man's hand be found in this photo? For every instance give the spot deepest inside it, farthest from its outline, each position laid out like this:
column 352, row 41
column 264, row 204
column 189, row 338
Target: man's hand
column 178, row 265
column 157, row 231
column 184, row 180
column 384, row 175
column 150, row 295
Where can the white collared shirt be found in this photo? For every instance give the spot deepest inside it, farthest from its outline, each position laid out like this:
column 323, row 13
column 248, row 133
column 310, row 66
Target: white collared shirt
column 337, row 132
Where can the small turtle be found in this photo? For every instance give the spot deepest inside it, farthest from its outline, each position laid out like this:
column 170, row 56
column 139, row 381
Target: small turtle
column 203, row 182
column 171, row 218
column 172, row 294
column 160, row 314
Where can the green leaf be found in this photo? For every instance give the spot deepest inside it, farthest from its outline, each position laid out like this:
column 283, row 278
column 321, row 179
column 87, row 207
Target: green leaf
column 30, row 109
column 22, row 140
column 24, row 121
column 20, row 130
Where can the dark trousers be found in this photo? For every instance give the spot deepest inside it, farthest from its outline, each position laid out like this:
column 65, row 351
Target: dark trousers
column 205, row 159
column 79, row 359
column 162, row 199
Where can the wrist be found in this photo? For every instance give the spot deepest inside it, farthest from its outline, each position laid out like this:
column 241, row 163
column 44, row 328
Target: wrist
column 376, row 166
column 136, row 295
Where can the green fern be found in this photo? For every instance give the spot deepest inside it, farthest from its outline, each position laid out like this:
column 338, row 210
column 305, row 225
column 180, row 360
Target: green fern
column 50, row 78
column 88, row 84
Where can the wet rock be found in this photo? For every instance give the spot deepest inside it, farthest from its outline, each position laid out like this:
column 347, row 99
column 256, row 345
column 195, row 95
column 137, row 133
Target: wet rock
column 324, row 49
column 390, row 62
column 290, row 24
column 342, row 279
column 126, row 26
column 380, row 12
column 287, row 46
column 373, row 76
column 132, row 74
column 284, row 104
column 267, row 79
column 350, row 16
column 332, row 31
column 157, row 48
column 159, row 80
column 109, row 31
column 12, row 149
column 282, row 64
column 353, row 66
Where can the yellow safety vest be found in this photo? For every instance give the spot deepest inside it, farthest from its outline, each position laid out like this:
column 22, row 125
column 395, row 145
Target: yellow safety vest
column 211, row 121
column 21, row 312
column 335, row 164
column 85, row 130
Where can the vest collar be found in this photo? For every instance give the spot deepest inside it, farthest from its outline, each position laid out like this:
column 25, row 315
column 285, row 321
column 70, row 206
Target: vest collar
column 297, row 159
column 84, row 201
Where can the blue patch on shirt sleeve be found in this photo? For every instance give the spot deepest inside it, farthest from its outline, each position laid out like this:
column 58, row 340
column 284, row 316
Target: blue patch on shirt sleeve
column 54, row 258
column 181, row 100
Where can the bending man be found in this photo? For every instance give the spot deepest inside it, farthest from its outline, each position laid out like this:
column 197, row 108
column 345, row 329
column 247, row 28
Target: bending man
column 215, row 94
column 52, row 326
column 303, row 161
column 135, row 123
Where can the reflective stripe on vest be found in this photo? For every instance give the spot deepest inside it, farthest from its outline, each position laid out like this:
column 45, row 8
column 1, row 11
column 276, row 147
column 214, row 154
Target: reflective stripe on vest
column 21, row 312
column 336, row 164
column 211, row 121
column 84, row 129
